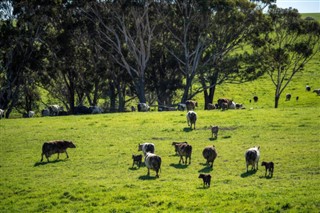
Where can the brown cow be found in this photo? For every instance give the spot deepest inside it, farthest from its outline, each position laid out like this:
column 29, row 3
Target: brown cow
column 52, row 147
column 184, row 150
column 210, row 154
column 191, row 105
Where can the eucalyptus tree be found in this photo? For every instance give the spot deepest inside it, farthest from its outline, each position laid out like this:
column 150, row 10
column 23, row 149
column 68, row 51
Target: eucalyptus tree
column 21, row 53
column 127, row 28
column 187, row 22
column 232, row 26
column 290, row 45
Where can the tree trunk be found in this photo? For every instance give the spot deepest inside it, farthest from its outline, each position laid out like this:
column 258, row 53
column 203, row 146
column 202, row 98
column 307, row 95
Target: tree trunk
column 139, row 85
column 187, row 87
column 276, row 101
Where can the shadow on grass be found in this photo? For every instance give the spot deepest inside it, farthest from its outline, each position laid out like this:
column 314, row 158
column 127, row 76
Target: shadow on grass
column 147, row 177
column 249, row 173
column 206, row 169
column 213, row 139
column 266, row 177
column 187, row 129
column 203, row 187
column 45, row 163
column 179, row 166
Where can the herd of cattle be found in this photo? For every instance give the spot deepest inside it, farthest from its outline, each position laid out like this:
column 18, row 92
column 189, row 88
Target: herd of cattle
column 153, row 161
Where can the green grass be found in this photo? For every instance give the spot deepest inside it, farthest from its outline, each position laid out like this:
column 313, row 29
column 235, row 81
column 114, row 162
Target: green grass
column 98, row 176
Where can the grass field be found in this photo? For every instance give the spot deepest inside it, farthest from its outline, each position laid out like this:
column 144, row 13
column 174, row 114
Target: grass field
column 98, row 176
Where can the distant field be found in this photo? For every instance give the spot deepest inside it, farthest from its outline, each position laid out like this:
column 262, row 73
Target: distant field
column 98, row 176
column 316, row 16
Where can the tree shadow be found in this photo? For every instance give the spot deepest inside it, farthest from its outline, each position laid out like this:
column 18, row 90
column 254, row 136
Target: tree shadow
column 147, row 177
column 179, row 166
column 46, row 162
column 249, row 173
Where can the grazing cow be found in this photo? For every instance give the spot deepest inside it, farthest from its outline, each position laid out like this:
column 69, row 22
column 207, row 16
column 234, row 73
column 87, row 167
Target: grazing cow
column 317, row 91
column 191, row 105
column 191, row 119
column 146, row 147
column 210, row 154
column 308, row 88
column 181, row 106
column 176, row 144
column 206, row 179
column 53, row 147
column 55, row 109
column 252, row 156
column 45, row 112
column 288, row 97
column 297, row 98
column 153, row 162
column 143, row 107
column 211, row 106
column 269, row 168
column 1, row 113
column 184, row 150
column 255, row 98
column 82, row 110
column 223, row 103
column 31, row 114
column 95, row 110
column 137, row 159
column 214, row 131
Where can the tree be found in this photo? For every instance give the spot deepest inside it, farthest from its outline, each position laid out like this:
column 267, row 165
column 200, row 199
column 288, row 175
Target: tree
column 292, row 43
column 127, row 28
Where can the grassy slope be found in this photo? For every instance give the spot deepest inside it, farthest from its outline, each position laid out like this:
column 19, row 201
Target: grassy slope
column 98, row 176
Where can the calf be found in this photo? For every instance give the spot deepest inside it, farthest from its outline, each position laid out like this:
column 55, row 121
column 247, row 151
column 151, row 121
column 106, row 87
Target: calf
column 191, row 119
column 153, row 162
column 137, row 159
column 176, row 145
column 146, row 147
column 210, row 154
column 269, row 168
column 53, row 147
column 184, row 150
column 252, row 156
column 206, row 179
column 214, row 131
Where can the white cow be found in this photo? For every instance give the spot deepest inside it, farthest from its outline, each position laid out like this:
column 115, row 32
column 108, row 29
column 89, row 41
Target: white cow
column 252, row 157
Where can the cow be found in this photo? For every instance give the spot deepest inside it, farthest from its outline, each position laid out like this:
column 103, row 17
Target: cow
column 45, row 112
column 146, row 147
column 1, row 113
column 181, row 106
column 308, row 88
column 214, row 131
column 206, row 179
column 95, row 110
column 211, row 106
column 53, row 147
column 210, row 154
column 191, row 105
column 191, row 119
column 288, row 97
column 55, row 109
column 153, row 162
column 137, row 159
column 223, row 103
column 176, row 144
column 252, row 156
column 143, row 107
column 317, row 91
column 184, row 150
column 255, row 98
column 269, row 168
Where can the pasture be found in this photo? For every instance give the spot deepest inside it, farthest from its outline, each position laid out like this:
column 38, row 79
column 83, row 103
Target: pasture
column 98, row 176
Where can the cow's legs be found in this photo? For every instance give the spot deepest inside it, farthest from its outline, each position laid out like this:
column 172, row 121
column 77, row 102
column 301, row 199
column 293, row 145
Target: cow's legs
column 67, row 154
column 148, row 172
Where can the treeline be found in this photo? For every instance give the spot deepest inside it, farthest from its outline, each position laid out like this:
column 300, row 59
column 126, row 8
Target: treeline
column 82, row 51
